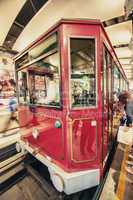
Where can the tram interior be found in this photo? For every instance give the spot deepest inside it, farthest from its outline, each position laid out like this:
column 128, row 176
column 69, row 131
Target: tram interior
column 43, row 75
column 83, row 70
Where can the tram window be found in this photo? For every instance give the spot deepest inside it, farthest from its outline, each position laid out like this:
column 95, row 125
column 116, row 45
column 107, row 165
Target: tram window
column 83, row 72
column 116, row 80
column 22, row 61
column 107, row 64
column 45, row 47
column 121, row 83
column 22, row 87
column 105, row 67
column 44, row 78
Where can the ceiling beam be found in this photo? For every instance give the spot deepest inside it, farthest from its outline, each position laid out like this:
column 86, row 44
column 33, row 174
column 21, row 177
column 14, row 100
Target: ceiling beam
column 124, row 58
column 127, row 70
column 7, row 50
column 121, row 45
column 115, row 20
column 127, row 64
column 18, row 24
column 129, row 74
column 29, row 9
column 33, row 6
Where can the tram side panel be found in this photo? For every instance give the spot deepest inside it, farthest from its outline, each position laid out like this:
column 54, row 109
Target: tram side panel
column 84, row 124
column 44, row 133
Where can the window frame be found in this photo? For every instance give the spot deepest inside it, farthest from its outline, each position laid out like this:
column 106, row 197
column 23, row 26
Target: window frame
column 69, row 71
column 18, row 90
column 60, row 91
column 43, row 56
column 119, row 73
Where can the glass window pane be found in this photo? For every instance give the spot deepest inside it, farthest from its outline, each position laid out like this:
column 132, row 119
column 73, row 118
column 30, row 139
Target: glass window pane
column 44, row 47
column 83, row 72
column 22, row 61
column 22, row 87
column 116, row 80
column 44, row 81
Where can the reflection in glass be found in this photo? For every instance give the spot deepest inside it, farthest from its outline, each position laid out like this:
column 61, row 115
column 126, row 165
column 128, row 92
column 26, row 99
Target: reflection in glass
column 83, row 72
column 44, row 47
column 44, row 81
column 22, row 87
column 116, row 80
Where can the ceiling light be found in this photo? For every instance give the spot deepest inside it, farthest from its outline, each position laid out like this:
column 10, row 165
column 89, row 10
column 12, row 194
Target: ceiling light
column 128, row 8
column 131, row 44
column 35, row 133
column 131, row 60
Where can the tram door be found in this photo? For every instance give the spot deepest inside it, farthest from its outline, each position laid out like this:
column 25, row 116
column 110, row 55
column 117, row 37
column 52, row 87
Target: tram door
column 106, row 110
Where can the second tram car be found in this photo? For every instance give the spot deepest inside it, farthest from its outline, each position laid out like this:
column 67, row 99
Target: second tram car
column 66, row 80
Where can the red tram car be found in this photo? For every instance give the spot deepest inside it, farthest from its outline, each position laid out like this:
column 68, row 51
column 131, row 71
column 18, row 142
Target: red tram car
column 66, row 80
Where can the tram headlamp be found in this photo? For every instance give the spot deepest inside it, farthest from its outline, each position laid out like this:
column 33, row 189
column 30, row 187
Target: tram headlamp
column 35, row 133
column 57, row 124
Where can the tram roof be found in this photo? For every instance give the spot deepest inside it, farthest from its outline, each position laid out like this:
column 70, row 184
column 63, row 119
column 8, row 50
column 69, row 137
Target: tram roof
column 72, row 21
column 61, row 21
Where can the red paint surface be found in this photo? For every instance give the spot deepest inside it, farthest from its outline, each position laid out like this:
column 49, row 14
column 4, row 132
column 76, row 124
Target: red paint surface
column 84, row 140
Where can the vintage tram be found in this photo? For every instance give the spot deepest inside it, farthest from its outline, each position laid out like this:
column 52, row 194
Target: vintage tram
column 65, row 83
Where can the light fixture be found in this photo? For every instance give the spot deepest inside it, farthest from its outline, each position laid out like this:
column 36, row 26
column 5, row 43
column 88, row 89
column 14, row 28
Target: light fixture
column 131, row 45
column 35, row 133
column 128, row 9
column 131, row 60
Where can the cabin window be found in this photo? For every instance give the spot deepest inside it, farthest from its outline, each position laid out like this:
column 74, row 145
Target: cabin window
column 83, row 72
column 43, row 74
column 42, row 49
column 23, row 60
column 121, row 83
column 116, row 80
column 44, row 81
column 22, row 87
column 45, row 47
